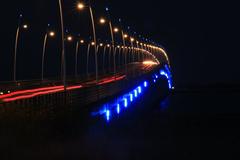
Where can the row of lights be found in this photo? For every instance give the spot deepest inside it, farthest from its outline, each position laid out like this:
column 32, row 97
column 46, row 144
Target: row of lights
column 109, row 109
column 81, row 6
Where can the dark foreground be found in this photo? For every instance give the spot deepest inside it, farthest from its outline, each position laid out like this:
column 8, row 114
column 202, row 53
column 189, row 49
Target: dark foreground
column 187, row 124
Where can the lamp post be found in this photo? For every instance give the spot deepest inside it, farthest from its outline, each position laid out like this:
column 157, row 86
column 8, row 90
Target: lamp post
column 112, row 47
column 76, row 59
column 48, row 34
column 119, row 55
column 132, row 47
column 88, row 54
column 102, row 21
column 104, row 55
column 20, row 26
column 138, row 54
column 76, row 56
column 81, row 6
column 124, row 36
column 63, row 63
column 109, row 57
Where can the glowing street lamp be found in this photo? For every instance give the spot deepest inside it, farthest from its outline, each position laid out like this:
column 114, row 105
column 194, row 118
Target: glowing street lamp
column 76, row 56
column 48, row 34
column 116, row 30
column 132, row 39
column 52, row 34
column 125, row 36
column 69, row 38
column 19, row 28
column 102, row 21
column 25, row 26
column 81, row 6
column 113, row 42
column 82, row 41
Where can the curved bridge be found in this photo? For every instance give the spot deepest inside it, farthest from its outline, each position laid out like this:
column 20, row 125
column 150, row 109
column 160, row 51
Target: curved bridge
column 38, row 97
column 108, row 68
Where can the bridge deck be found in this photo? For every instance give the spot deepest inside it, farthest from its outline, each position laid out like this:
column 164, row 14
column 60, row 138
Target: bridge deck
column 28, row 89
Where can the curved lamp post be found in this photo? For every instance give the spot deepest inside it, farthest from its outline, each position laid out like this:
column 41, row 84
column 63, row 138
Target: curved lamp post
column 20, row 26
column 132, row 47
column 104, row 55
column 48, row 34
column 76, row 56
column 63, row 66
column 103, row 21
column 109, row 56
column 81, row 6
column 88, row 52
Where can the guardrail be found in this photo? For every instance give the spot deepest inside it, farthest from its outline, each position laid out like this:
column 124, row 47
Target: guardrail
column 40, row 106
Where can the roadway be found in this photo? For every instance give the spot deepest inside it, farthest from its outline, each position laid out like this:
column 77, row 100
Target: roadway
column 29, row 89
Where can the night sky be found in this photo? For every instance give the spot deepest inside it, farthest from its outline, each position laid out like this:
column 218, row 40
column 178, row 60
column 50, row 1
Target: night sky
column 201, row 37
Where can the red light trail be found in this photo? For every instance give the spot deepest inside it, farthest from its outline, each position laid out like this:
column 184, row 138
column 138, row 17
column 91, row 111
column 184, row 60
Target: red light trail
column 30, row 93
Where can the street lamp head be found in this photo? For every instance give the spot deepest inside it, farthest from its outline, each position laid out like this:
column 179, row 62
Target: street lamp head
column 80, row 6
column 102, row 21
column 108, row 45
column 81, row 41
column 69, row 38
column 101, row 44
column 25, row 26
column 132, row 39
column 51, row 34
column 116, row 30
column 125, row 36
column 93, row 43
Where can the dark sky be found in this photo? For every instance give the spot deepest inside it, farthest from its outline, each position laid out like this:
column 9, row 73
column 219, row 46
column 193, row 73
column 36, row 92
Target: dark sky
column 201, row 37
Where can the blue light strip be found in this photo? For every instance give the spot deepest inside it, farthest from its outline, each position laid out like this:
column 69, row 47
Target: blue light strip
column 121, row 103
column 131, row 97
column 118, row 108
column 135, row 93
column 168, row 75
column 145, row 84
column 108, row 113
column 125, row 102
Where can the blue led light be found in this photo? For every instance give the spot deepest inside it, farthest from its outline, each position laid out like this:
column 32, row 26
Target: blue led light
column 169, row 84
column 163, row 73
column 135, row 93
column 167, row 68
column 131, row 97
column 115, row 107
column 118, row 108
column 108, row 113
column 145, row 84
column 125, row 102
column 139, row 89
